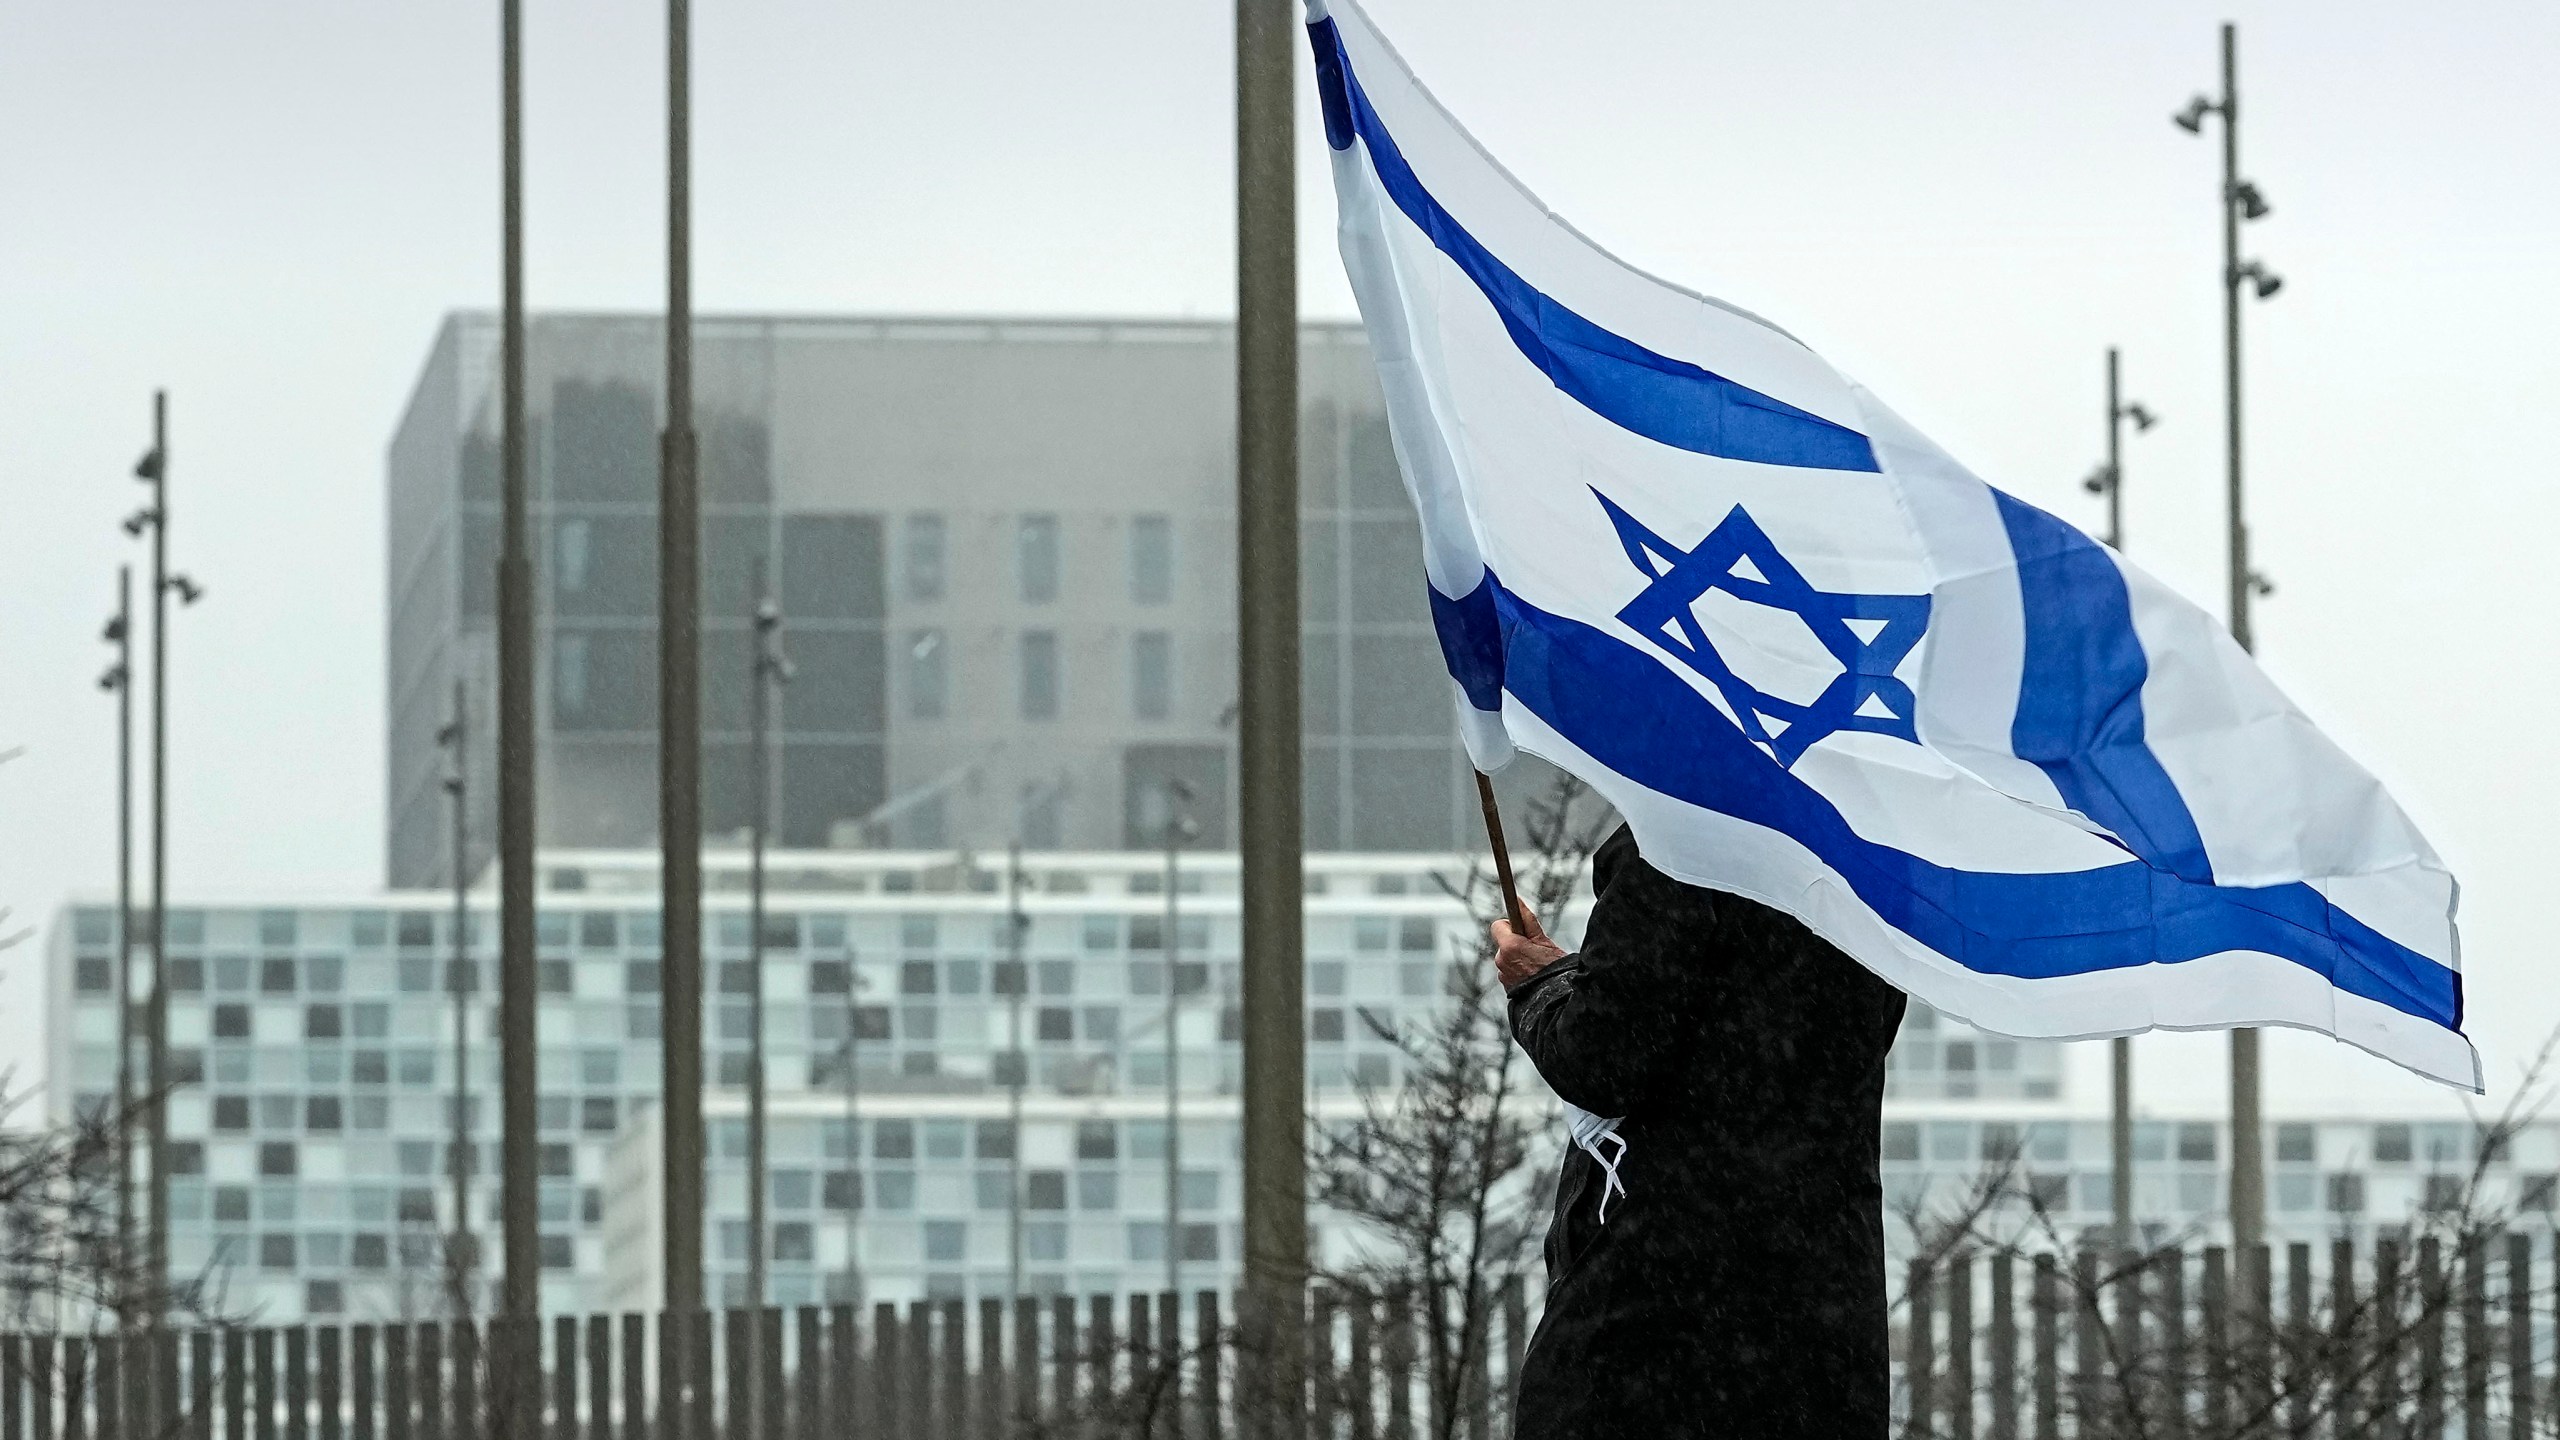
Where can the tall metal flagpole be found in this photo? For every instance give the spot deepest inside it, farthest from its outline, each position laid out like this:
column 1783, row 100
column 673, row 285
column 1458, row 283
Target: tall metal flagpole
column 680, row 714
column 1268, row 762
column 119, row 678
column 518, row 989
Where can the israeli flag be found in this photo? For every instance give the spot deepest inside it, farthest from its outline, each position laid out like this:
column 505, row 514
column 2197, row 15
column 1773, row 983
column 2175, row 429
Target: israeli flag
column 1814, row 660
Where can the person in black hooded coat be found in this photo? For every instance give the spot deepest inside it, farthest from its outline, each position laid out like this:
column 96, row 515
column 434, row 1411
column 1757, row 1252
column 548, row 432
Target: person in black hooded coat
column 1736, row 1288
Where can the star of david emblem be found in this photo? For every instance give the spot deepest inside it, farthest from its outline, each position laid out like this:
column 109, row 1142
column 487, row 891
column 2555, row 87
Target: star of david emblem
column 1852, row 641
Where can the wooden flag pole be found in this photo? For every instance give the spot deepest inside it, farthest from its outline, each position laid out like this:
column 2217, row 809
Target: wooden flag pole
column 1501, row 855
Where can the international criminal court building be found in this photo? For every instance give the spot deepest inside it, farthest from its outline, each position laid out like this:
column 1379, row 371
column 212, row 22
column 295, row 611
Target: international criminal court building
column 1005, row 556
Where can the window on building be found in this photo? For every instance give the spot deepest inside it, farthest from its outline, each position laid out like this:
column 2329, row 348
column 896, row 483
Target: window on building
column 925, row 543
column 1036, row 558
column 569, row 680
column 2196, row 1144
column 2346, row 1193
column 2535, row 1193
column 230, row 1022
column 1096, row 1140
column 1151, row 675
column 2391, row 1144
column 575, row 538
column 946, row 1241
column 1039, row 675
column 1045, row 1190
column 276, row 1158
column 1151, row 559
column 93, row 975
column 928, row 676
column 2443, row 1194
column 2296, row 1144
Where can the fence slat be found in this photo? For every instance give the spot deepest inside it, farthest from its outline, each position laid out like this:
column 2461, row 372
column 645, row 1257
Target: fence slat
column 235, row 1385
column 991, row 1405
column 669, row 1417
column 330, row 1381
column 738, row 1380
column 13, row 1388
column 1321, row 1384
column 1022, row 1392
column 565, row 1376
column 2216, row 1339
column 2346, row 1323
column 768, row 1357
column 75, row 1388
column 2088, row 1348
column 427, row 1352
column 1063, row 1357
column 43, row 1382
column 2003, row 1340
column 2045, row 1299
column 2434, row 1293
column 2390, row 1267
column 463, row 1421
column 2475, row 1335
column 1919, row 1348
column 635, row 1380
column 1101, row 1351
column 808, row 1373
column 699, row 1332
column 888, row 1373
column 1959, row 1291
column 1146, row 1371
column 297, row 1383
column 360, row 1377
column 1360, row 1389
column 1211, row 1412
column 844, row 1354
column 111, row 1349
column 2299, row 1352
column 200, row 1387
column 2520, row 1396
column 1399, row 1365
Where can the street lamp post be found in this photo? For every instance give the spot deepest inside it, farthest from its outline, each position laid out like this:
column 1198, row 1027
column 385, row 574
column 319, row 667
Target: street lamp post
column 2108, row 480
column 771, row 669
column 2240, row 202
column 460, row 1260
column 153, row 470
column 119, row 678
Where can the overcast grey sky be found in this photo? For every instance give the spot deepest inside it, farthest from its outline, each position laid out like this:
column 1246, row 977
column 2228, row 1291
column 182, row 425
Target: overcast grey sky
column 265, row 205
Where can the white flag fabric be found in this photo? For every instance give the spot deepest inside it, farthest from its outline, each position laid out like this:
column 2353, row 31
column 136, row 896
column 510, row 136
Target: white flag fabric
column 1815, row 661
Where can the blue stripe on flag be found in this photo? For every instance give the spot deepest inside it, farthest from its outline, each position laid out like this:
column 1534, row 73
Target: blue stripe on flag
column 2079, row 713
column 1471, row 642
column 1631, row 714
column 1662, row 399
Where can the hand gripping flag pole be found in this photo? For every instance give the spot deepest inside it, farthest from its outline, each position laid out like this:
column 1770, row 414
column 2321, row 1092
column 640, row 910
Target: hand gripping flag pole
column 1597, row 1134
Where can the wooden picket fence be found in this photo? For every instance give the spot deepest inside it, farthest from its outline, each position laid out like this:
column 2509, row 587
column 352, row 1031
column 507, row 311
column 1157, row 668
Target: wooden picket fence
column 1143, row 1365
column 2425, row 1340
